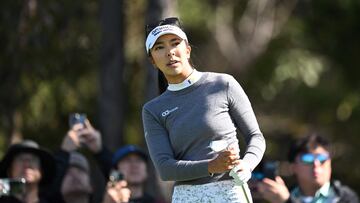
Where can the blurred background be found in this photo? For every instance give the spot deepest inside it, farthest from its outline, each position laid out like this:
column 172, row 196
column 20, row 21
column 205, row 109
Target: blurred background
column 298, row 61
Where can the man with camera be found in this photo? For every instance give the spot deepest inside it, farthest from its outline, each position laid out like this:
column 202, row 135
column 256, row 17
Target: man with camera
column 310, row 159
column 26, row 171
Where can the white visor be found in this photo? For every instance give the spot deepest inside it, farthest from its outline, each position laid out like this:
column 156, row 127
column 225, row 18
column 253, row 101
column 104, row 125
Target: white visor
column 162, row 30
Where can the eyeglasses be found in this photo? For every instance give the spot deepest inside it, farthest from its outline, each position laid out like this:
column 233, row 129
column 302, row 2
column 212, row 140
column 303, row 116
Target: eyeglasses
column 309, row 158
column 166, row 21
column 30, row 159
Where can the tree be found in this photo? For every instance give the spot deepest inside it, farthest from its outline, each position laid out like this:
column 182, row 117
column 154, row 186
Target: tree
column 112, row 94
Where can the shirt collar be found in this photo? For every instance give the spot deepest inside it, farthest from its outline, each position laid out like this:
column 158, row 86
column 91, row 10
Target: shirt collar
column 324, row 191
column 193, row 77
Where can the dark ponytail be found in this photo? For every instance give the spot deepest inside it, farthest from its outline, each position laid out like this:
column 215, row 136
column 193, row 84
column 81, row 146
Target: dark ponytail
column 162, row 82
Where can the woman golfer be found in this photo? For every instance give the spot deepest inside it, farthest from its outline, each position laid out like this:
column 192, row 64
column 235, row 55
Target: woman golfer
column 191, row 128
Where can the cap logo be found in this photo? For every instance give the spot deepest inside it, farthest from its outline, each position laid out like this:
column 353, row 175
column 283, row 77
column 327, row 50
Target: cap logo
column 164, row 28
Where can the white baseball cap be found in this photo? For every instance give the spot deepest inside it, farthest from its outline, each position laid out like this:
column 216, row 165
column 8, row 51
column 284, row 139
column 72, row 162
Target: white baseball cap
column 162, row 30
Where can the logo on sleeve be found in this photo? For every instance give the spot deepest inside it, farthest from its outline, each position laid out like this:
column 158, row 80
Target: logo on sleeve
column 167, row 112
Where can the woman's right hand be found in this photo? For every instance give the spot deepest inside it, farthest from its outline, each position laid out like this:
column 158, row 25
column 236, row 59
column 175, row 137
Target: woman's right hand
column 225, row 161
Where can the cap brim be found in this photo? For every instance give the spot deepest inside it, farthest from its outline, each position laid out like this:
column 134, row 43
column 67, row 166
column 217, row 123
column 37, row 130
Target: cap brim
column 160, row 31
column 127, row 150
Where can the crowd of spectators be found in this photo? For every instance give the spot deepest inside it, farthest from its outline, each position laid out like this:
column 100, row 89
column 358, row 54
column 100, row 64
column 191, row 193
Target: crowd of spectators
column 32, row 174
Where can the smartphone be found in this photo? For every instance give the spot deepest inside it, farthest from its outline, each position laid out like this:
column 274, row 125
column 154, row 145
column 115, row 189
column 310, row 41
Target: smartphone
column 115, row 176
column 12, row 186
column 267, row 169
column 76, row 118
column 270, row 169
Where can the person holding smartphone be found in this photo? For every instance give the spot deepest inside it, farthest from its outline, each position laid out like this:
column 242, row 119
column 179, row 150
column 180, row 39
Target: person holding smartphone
column 310, row 159
column 194, row 109
column 129, row 161
column 132, row 162
column 73, row 179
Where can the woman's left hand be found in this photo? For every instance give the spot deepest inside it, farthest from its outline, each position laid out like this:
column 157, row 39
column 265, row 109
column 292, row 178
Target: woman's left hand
column 241, row 172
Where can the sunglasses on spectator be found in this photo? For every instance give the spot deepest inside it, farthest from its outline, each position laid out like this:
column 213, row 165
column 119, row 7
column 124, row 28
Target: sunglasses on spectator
column 309, row 158
column 166, row 21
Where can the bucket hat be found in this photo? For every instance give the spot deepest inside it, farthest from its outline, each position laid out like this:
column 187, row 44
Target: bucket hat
column 47, row 161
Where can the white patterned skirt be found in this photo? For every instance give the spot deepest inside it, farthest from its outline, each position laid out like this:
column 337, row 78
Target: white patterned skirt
column 217, row 192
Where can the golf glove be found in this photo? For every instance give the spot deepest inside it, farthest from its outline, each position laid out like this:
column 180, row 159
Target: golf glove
column 242, row 176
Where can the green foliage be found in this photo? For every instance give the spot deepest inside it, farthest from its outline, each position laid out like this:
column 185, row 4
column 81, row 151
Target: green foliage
column 48, row 65
column 195, row 13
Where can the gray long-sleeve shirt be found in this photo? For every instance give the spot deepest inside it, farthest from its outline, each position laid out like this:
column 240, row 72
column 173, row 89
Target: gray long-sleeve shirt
column 179, row 126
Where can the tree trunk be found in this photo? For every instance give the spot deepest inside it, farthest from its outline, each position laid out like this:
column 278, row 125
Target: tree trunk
column 112, row 94
column 156, row 10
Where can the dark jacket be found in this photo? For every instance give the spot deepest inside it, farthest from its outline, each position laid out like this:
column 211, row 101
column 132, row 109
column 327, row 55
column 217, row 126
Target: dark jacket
column 11, row 199
column 343, row 194
column 62, row 163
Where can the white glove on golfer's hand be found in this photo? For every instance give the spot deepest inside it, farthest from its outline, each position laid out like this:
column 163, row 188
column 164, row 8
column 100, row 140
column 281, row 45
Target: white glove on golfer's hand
column 242, row 176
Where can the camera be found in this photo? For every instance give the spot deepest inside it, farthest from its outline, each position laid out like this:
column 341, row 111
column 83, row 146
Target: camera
column 115, row 176
column 10, row 187
column 76, row 118
column 266, row 169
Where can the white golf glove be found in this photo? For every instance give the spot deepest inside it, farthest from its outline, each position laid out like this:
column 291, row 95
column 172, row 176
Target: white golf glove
column 242, row 176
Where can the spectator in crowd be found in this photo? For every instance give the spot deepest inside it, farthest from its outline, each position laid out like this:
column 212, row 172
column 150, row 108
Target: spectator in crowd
column 310, row 159
column 28, row 162
column 76, row 185
column 73, row 182
column 131, row 161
